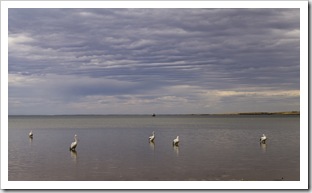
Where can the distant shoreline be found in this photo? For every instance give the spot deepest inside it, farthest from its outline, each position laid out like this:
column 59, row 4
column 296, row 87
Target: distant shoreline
column 275, row 113
column 193, row 114
column 264, row 113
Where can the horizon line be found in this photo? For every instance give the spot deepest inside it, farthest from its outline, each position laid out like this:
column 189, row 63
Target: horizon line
column 160, row 114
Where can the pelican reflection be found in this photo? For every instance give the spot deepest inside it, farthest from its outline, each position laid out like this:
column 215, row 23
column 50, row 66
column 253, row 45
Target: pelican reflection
column 152, row 145
column 30, row 141
column 263, row 147
column 176, row 149
column 73, row 155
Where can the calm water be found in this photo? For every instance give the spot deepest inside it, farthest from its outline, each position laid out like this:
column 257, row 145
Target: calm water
column 117, row 148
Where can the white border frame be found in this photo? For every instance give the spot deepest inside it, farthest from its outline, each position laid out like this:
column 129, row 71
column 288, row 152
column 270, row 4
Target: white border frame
column 302, row 184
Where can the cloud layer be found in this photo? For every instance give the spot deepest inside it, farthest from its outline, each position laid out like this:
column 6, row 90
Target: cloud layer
column 73, row 61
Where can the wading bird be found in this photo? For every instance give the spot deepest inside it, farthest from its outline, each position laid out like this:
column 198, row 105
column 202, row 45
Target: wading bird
column 263, row 139
column 151, row 138
column 74, row 144
column 176, row 141
column 31, row 134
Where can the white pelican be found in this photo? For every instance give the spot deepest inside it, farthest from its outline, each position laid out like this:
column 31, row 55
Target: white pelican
column 176, row 141
column 74, row 144
column 31, row 134
column 151, row 138
column 263, row 139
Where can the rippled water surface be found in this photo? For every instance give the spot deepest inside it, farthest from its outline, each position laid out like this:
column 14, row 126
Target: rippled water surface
column 117, row 148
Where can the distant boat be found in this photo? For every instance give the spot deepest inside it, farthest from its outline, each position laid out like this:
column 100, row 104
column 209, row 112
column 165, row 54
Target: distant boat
column 154, row 115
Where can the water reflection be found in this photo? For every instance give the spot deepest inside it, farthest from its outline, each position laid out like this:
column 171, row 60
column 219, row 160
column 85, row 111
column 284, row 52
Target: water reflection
column 152, row 145
column 30, row 141
column 263, row 147
column 176, row 149
column 101, row 161
column 73, row 154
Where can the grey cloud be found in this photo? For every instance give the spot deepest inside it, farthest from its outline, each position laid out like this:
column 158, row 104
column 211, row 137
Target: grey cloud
column 154, row 49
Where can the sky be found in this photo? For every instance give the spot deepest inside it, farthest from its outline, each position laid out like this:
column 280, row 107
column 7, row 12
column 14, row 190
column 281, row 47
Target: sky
column 144, row 61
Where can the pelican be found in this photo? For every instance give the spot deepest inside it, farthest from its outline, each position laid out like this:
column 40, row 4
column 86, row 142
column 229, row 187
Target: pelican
column 263, row 139
column 74, row 144
column 176, row 141
column 151, row 138
column 31, row 134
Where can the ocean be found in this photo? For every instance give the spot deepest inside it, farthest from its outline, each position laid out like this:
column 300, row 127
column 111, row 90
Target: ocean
column 117, row 148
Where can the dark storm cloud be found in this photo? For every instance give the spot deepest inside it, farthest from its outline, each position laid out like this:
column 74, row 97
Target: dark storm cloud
column 144, row 52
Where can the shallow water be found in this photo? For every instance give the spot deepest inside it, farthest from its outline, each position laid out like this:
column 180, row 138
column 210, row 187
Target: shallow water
column 117, row 148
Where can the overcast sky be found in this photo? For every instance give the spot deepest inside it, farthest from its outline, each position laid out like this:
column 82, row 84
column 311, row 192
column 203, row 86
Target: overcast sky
column 144, row 61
